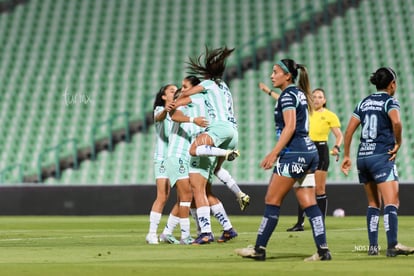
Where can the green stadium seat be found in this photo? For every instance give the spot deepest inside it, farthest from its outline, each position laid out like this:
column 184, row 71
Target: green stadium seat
column 103, row 49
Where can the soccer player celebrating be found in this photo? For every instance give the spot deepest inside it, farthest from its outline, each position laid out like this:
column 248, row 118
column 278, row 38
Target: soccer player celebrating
column 221, row 137
column 162, row 121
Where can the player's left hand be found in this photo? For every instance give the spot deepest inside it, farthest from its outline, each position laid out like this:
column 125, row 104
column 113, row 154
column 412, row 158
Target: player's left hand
column 393, row 152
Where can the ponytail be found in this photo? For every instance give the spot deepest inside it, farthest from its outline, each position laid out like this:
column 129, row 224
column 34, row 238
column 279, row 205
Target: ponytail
column 304, row 85
column 291, row 67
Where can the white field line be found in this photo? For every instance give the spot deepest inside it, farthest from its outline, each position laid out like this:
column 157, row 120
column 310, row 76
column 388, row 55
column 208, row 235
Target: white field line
column 65, row 237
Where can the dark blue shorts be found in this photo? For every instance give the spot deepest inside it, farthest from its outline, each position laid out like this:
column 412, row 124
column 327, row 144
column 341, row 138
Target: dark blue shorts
column 296, row 164
column 377, row 169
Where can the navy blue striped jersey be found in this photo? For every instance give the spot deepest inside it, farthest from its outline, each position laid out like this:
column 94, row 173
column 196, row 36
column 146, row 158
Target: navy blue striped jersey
column 293, row 98
column 377, row 136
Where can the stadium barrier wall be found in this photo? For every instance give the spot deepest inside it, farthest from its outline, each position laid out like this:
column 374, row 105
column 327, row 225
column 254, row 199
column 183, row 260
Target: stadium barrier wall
column 138, row 199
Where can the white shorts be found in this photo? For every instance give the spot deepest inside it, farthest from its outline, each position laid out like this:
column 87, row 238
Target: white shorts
column 308, row 181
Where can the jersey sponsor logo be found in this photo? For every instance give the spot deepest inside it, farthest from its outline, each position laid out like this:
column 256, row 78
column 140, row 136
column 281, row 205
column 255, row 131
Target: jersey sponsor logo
column 318, row 227
column 297, row 168
column 287, row 169
column 380, row 175
column 372, row 105
column 302, row 99
column 368, row 146
column 285, row 99
column 367, row 149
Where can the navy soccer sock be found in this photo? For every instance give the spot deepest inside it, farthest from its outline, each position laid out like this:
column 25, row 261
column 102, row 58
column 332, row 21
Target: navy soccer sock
column 318, row 227
column 391, row 224
column 268, row 225
column 372, row 225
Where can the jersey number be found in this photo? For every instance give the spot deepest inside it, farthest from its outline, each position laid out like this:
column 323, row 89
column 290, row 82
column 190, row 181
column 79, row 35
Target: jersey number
column 369, row 129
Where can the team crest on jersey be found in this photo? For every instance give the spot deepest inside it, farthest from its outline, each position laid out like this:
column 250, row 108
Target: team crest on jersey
column 181, row 169
column 162, row 167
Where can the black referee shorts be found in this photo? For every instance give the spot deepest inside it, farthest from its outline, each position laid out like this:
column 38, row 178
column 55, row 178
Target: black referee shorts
column 323, row 151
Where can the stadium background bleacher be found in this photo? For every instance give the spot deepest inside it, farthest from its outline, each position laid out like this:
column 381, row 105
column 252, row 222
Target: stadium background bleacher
column 67, row 66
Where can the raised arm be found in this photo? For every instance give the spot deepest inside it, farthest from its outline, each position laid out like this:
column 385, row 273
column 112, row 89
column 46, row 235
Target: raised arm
column 178, row 116
column 193, row 90
column 268, row 91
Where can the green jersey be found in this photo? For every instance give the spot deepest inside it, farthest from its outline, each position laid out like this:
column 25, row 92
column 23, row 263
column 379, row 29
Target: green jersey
column 162, row 130
column 219, row 101
column 180, row 138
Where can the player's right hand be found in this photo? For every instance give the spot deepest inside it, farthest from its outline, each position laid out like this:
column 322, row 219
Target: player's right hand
column 346, row 165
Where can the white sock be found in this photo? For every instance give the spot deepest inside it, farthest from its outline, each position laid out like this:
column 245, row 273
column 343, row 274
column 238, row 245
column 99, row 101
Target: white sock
column 185, row 227
column 154, row 219
column 227, row 179
column 220, row 214
column 205, row 150
column 172, row 222
column 203, row 214
column 193, row 212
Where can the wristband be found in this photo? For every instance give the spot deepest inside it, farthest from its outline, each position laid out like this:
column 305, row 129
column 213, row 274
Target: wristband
column 191, row 120
column 270, row 93
column 338, row 148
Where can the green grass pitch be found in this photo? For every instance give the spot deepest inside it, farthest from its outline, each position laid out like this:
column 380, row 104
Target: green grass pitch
column 116, row 246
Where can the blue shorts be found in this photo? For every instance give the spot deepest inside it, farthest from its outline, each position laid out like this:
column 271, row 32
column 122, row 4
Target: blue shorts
column 377, row 169
column 296, row 164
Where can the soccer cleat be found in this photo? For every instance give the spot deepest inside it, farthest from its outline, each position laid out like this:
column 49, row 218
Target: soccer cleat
column 188, row 240
column 399, row 249
column 296, row 228
column 244, row 201
column 152, row 238
column 373, row 250
column 326, row 256
column 228, row 235
column 258, row 254
column 232, row 154
column 168, row 238
column 204, row 238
